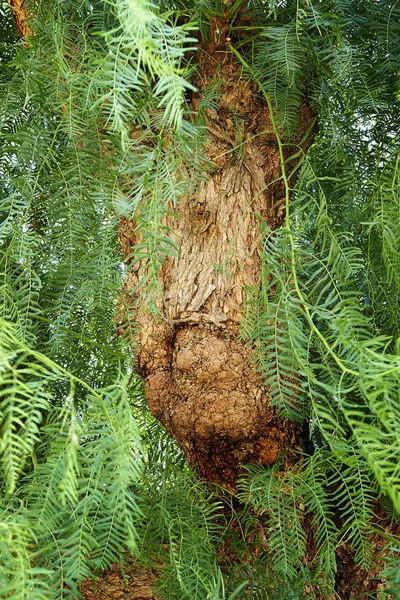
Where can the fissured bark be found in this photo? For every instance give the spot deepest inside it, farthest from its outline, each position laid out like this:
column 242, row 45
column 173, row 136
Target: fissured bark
column 198, row 375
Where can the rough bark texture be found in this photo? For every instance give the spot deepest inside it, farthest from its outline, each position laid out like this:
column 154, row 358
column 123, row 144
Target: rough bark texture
column 198, row 376
column 135, row 583
column 21, row 15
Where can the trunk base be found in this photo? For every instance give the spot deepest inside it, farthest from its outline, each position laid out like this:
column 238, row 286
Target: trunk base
column 207, row 395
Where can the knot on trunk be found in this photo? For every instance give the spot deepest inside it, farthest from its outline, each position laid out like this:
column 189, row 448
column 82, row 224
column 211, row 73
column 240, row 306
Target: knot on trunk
column 205, row 392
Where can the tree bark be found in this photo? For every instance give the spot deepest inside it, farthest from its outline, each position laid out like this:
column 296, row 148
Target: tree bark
column 132, row 583
column 21, row 16
column 199, row 378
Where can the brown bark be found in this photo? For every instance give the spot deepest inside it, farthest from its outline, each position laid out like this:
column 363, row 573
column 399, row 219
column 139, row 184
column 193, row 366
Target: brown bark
column 199, row 378
column 21, row 17
column 134, row 583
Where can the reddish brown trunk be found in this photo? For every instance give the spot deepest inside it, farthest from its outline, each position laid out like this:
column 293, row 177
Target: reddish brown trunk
column 198, row 375
column 20, row 13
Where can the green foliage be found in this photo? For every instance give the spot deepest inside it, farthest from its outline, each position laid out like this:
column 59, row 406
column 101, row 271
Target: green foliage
column 281, row 59
column 18, row 576
column 181, row 516
column 96, row 126
column 392, row 571
column 324, row 499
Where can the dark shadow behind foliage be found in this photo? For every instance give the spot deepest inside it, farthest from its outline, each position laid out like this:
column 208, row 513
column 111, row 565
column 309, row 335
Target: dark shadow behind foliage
column 95, row 127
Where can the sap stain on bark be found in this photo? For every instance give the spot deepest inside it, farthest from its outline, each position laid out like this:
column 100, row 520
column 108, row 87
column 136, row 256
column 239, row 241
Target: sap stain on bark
column 198, row 375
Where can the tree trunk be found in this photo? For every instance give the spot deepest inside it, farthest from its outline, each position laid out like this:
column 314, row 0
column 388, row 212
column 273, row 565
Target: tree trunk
column 21, row 16
column 199, row 379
